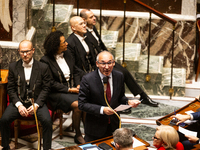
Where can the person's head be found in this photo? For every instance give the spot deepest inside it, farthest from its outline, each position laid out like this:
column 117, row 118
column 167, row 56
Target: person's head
column 89, row 17
column 55, row 44
column 105, row 62
column 123, row 138
column 165, row 136
column 26, row 50
column 78, row 25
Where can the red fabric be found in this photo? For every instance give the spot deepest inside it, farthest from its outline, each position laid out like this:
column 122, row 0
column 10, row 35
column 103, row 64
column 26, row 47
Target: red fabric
column 25, row 129
column 179, row 146
column 108, row 92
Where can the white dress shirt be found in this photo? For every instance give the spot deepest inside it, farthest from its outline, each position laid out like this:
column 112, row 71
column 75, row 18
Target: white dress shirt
column 63, row 65
column 111, row 86
column 93, row 33
column 82, row 40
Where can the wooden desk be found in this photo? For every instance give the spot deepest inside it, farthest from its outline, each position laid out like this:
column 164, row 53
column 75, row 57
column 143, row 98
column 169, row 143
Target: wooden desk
column 108, row 141
column 194, row 105
column 3, row 91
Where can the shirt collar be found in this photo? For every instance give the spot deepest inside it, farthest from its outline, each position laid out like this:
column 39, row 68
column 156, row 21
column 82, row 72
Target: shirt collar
column 30, row 64
column 59, row 55
column 102, row 75
column 80, row 37
column 89, row 29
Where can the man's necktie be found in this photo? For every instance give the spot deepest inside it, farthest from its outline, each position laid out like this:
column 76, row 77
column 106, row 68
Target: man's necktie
column 108, row 91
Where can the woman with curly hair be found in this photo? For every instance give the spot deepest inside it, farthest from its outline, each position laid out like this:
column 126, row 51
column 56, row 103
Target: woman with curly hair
column 167, row 138
column 66, row 79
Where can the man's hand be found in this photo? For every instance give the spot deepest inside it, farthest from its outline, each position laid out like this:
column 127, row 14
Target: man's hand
column 108, row 111
column 181, row 118
column 78, row 87
column 31, row 110
column 134, row 103
column 22, row 110
column 74, row 90
column 192, row 139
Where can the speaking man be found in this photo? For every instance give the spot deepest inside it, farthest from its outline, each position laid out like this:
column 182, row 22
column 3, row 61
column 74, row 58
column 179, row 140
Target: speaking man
column 100, row 119
column 98, row 45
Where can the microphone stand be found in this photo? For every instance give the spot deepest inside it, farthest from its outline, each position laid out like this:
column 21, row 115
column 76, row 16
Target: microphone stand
column 105, row 86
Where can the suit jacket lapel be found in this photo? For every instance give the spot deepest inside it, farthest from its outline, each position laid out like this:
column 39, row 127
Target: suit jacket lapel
column 81, row 49
column 20, row 70
column 99, row 82
column 34, row 74
column 114, row 85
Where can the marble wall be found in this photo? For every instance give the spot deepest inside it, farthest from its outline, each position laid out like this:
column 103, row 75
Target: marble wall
column 136, row 39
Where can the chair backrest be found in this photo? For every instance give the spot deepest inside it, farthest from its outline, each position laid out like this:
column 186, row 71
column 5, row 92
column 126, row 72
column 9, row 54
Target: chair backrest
column 4, row 75
column 198, row 24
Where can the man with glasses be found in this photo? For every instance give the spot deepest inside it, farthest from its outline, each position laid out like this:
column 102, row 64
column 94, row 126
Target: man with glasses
column 27, row 79
column 98, row 45
column 100, row 119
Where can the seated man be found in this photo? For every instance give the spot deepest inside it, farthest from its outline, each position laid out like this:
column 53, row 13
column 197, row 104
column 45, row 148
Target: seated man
column 27, row 79
column 96, row 42
column 123, row 139
column 190, row 140
column 101, row 120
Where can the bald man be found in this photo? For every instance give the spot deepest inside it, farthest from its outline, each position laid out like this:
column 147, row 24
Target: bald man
column 100, row 119
column 98, row 45
column 80, row 47
column 27, row 79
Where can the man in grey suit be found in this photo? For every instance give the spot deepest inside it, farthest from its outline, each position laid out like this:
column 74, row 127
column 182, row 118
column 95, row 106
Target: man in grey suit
column 98, row 46
column 27, row 79
column 100, row 118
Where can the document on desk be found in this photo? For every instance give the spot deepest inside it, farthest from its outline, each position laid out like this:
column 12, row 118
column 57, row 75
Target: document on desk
column 137, row 143
column 187, row 132
column 122, row 107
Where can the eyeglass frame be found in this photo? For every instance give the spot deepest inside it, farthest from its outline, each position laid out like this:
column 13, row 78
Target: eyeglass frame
column 106, row 63
column 155, row 138
column 27, row 51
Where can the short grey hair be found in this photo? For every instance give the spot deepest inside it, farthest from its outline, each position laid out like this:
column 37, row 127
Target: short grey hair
column 97, row 58
column 123, row 137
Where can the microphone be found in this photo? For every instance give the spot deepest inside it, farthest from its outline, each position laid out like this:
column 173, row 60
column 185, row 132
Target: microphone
column 105, row 81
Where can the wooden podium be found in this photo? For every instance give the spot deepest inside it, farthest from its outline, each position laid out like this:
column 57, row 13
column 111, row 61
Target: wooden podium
column 194, row 106
column 3, row 90
column 108, row 141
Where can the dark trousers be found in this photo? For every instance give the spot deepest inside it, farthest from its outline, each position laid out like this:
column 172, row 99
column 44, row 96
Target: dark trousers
column 129, row 80
column 11, row 113
column 108, row 132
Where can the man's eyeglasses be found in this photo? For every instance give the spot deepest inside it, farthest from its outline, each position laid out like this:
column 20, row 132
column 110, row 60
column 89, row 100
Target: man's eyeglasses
column 27, row 52
column 155, row 138
column 106, row 63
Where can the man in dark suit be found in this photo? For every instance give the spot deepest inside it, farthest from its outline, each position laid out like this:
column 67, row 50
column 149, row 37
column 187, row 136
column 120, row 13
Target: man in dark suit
column 100, row 118
column 80, row 47
column 27, row 79
column 97, row 43
column 190, row 140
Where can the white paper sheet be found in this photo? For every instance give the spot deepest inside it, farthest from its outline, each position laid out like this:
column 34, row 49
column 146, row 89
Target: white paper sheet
column 122, row 107
column 187, row 132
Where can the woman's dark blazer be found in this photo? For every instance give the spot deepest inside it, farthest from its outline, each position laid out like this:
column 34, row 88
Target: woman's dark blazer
column 59, row 83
